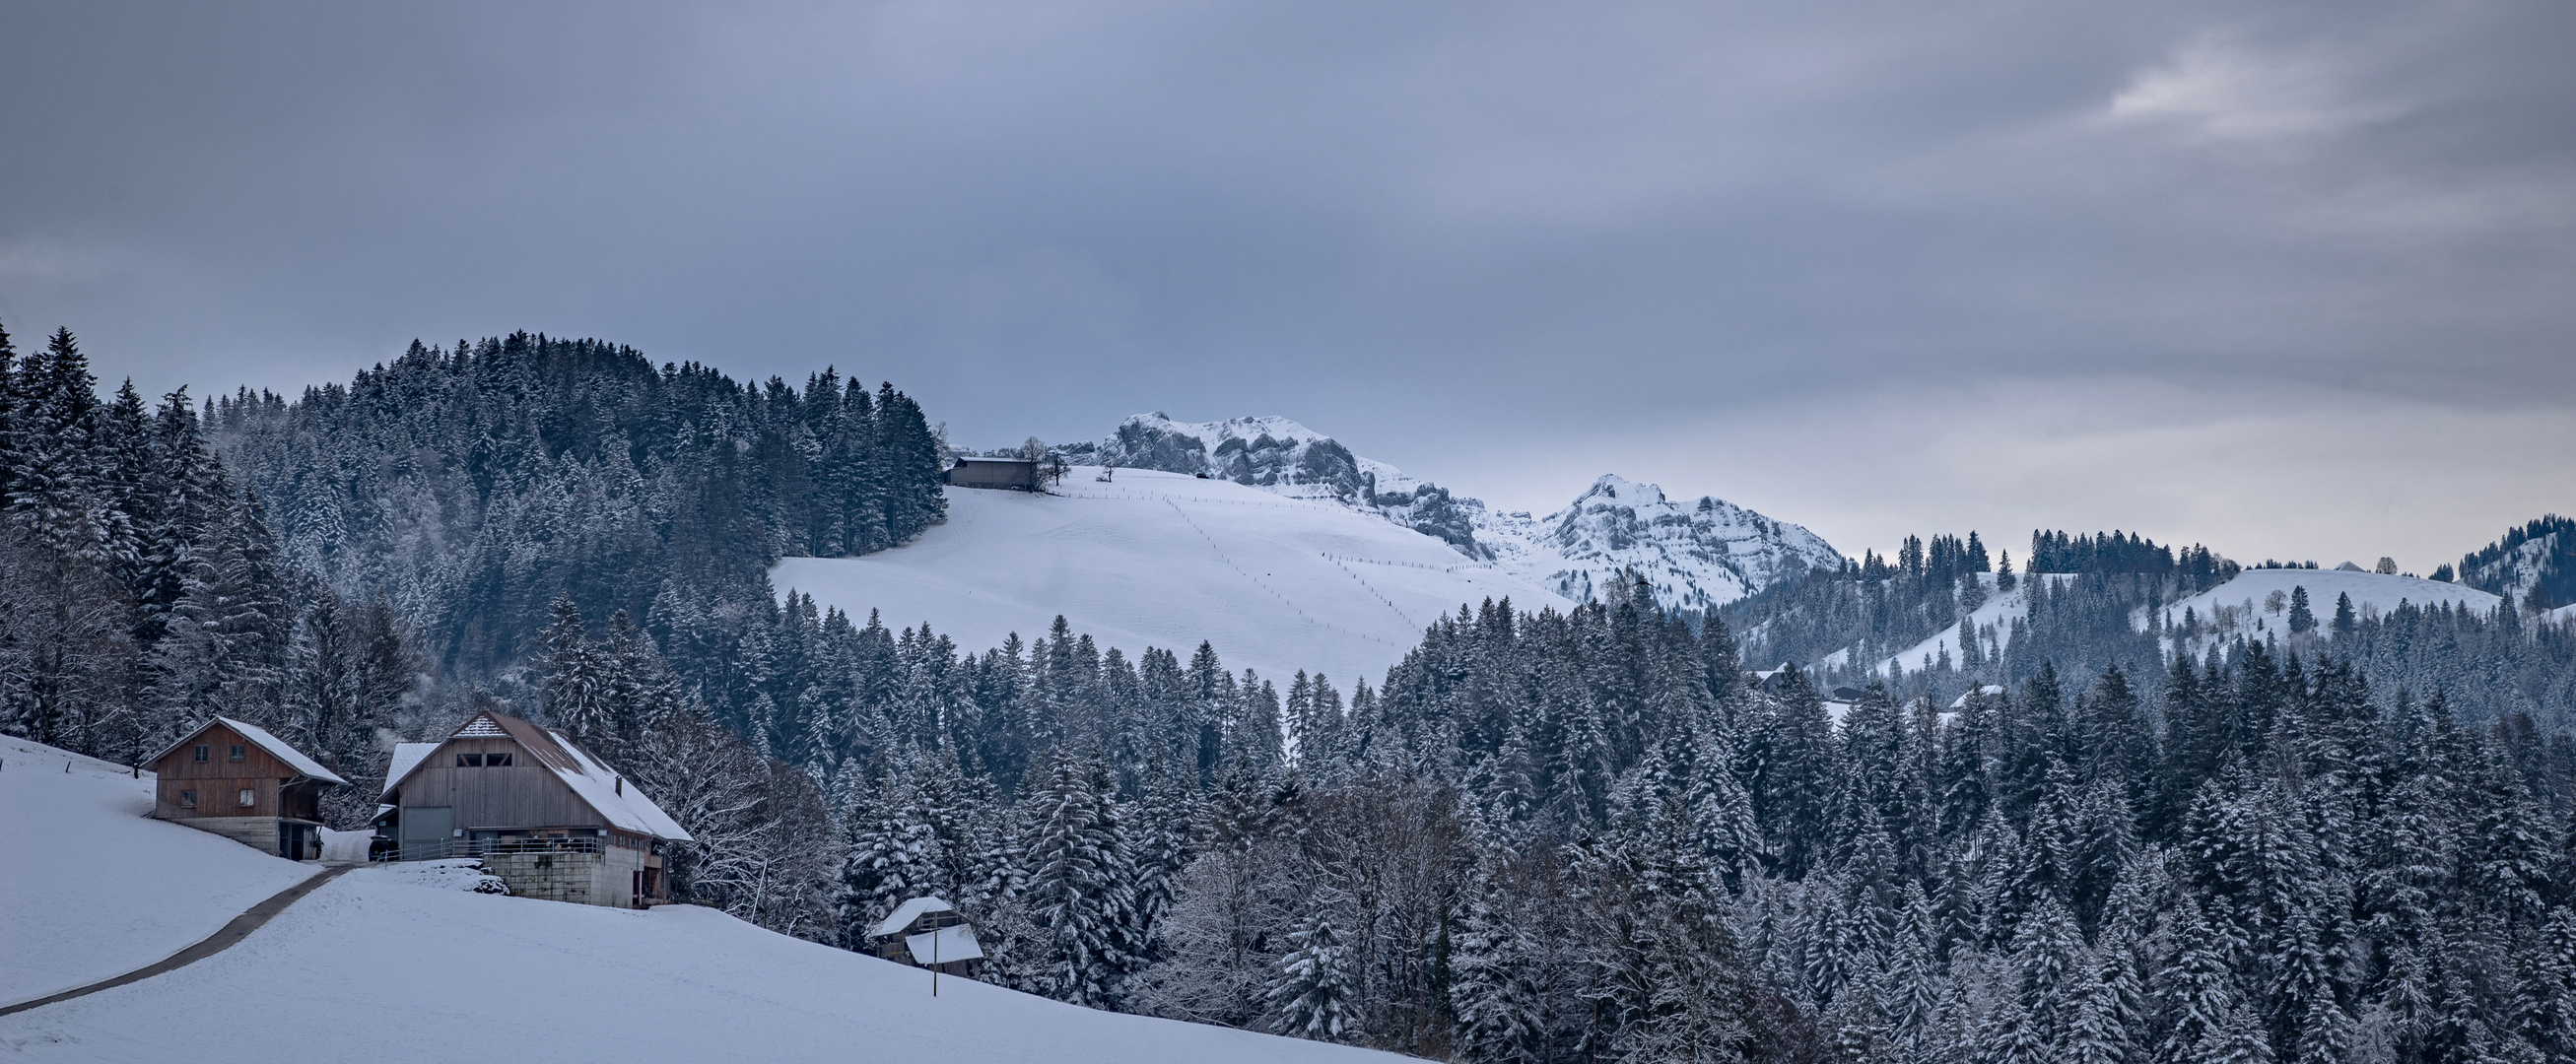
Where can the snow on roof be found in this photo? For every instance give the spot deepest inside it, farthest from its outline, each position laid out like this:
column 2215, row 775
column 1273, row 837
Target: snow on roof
column 944, row 946
column 622, row 803
column 908, row 912
column 1983, row 690
column 406, row 757
column 260, row 737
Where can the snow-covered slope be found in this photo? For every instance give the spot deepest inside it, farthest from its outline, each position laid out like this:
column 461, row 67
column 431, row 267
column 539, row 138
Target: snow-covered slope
column 388, row 965
column 2231, row 609
column 1997, row 613
column 1699, row 553
column 90, row 886
column 1162, row 559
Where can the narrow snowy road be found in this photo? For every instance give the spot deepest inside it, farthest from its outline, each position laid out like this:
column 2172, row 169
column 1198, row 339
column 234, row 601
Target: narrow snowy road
column 223, row 939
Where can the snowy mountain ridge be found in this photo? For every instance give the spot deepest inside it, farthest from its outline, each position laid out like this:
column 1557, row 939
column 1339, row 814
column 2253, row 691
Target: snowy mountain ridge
column 1693, row 555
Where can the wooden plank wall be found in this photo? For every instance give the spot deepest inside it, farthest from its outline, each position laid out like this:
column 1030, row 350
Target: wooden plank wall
column 522, row 794
column 219, row 779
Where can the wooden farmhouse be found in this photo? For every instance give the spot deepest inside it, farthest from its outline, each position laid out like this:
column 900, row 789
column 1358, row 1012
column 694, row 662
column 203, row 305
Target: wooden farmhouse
column 928, row 933
column 240, row 782
column 552, row 821
column 970, row 472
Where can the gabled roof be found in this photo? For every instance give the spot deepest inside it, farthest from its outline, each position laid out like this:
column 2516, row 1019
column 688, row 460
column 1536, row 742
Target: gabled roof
column 260, row 737
column 407, row 756
column 616, row 799
column 906, row 913
column 947, row 945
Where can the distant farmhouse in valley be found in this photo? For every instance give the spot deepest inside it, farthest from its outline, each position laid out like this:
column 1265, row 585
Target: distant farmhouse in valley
column 238, row 781
column 552, row 821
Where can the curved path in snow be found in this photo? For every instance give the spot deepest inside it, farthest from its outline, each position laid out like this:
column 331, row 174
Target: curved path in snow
column 223, row 939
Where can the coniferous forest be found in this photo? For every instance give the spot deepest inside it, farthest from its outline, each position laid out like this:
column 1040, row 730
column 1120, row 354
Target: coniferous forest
column 1579, row 836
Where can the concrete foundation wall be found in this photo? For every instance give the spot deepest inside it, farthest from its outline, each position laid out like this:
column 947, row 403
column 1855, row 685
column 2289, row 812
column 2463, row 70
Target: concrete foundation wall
column 257, row 832
column 605, row 878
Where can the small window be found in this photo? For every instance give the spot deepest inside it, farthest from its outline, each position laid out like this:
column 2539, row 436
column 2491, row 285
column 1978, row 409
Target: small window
column 249, row 797
column 240, row 752
column 496, row 760
column 469, row 761
column 203, row 750
column 188, row 799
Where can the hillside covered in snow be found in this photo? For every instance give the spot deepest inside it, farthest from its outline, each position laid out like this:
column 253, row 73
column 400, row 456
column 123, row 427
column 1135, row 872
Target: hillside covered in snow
column 1694, row 554
column 398, row 963
column 1276, row 582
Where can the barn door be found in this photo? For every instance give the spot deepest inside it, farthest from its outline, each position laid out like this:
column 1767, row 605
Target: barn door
column 425, row 831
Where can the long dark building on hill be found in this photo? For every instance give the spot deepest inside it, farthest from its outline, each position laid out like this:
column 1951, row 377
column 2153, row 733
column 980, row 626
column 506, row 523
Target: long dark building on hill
column 552, row 821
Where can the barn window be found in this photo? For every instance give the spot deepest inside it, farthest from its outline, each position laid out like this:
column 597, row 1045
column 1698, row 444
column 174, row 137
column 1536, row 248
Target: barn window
column 201, row 751
column 188, row 799
column 240, row 752
column 496, row 760
column 469, row 761
column 249, row 797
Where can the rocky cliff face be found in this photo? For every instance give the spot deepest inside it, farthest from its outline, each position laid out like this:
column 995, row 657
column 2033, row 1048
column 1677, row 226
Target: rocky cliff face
column 1280, row 455
column 1690, row 555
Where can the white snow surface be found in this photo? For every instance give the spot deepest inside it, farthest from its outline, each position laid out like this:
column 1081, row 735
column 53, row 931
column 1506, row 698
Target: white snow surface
column 406, row 757
column 944, row 945
column 621, row 801
column 2230, row 609
column 904, row 914
column 1694, row 554
column 1156, row 559
column 388, row 965
column 91, row 886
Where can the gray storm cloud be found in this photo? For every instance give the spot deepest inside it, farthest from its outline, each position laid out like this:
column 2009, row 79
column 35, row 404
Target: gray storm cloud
column 1874, row 267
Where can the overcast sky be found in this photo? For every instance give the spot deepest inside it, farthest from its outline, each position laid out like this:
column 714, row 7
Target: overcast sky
column 2295, row 280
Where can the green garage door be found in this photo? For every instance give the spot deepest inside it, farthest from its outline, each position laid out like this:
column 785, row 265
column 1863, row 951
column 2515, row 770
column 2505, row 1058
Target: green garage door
column 426, row 830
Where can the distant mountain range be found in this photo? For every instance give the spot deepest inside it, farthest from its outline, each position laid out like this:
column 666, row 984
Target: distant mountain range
column 1693, row 555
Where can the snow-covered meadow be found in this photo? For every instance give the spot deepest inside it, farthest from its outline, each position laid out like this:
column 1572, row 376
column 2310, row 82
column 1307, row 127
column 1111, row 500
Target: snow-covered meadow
column 394, row 964
column 91, row 886
column 1166, row 560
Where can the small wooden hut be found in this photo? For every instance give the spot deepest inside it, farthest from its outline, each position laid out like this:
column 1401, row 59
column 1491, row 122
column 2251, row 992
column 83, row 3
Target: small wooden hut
column 928, row 932
column 240, row 782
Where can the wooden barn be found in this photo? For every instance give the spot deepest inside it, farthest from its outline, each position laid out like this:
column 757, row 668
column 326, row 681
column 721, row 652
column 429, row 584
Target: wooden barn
column 971, row 472
column 549, row 819
column 928, row 933
column 240, row 782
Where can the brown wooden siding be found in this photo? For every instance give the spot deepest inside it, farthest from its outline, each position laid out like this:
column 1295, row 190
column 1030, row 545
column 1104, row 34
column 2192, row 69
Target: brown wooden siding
column 522, row 794
column 219, row 781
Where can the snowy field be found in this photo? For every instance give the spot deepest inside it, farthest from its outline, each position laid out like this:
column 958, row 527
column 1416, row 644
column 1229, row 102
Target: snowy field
column 91, row 887
column 2230, row 609
column 388, row 965
column 1166, row 560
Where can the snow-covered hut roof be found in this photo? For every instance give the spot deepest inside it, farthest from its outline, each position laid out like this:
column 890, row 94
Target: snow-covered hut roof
column 276, row 748
column 946, row 945
column 619, row 802
column 407, row 756
column 908, row 912
column 1983, row 690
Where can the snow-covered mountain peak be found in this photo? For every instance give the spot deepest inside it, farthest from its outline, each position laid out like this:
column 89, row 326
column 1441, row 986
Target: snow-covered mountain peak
column 1695, row 555
column 1615, row 490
